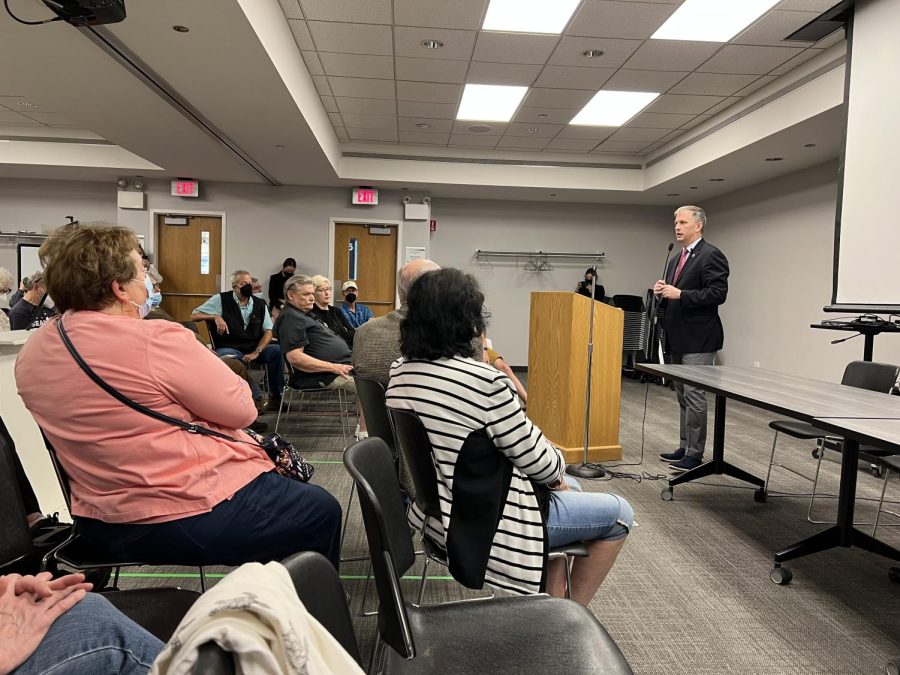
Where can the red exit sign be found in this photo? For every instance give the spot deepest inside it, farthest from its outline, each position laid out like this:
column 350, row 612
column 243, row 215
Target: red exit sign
column 185, row 188
column 365, row 195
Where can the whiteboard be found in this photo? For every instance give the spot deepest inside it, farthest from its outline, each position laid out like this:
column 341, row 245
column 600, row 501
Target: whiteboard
column 29, row 262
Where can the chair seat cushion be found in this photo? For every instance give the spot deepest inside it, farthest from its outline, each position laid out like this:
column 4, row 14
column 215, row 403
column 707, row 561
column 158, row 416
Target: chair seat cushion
column 578, row 549
column 159, row 610
column 502, row 635
column 803, row 430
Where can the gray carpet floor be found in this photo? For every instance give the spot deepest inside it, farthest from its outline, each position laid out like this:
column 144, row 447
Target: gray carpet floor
column 690, row 592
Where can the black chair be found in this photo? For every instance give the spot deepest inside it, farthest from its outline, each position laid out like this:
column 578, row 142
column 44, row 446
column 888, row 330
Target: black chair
column 76, row 552
column 415, row 447
column 526, row 633
column 879, row 377
column 15, row 536
column 287, row 400
column 213, row 334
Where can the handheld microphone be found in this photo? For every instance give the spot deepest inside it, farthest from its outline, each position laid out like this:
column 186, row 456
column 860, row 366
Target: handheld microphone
column 834, row 342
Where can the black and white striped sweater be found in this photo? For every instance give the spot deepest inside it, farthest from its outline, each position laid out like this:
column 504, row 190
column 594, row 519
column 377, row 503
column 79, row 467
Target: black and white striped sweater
column 456, row 398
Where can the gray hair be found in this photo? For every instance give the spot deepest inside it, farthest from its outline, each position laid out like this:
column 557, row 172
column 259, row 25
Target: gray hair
column 36, row 278
column 6, row 278
column 698, row 214
column 410, row 272
column 320, row 280
column 236, row 274
column 296, row 281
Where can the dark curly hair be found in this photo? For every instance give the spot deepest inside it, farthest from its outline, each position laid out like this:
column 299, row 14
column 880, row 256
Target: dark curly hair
column 445, row 313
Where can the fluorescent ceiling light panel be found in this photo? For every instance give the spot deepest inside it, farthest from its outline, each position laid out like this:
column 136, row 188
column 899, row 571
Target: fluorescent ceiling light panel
column 712, row 20
column 529, row 16
column 490, row 102
column 613, row 108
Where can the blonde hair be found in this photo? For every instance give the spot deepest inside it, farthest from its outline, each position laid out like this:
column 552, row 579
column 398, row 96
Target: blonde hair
column 320, row 280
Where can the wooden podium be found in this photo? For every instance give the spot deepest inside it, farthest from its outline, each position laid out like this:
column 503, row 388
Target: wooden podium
column 557, row 374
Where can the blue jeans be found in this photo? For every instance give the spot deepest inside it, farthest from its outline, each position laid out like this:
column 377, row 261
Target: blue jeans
column 93, row 638
column 586, row 516
column 270, row 518
column 272, row 358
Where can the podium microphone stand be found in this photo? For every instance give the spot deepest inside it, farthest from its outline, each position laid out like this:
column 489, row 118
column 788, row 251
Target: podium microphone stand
column 586, row 469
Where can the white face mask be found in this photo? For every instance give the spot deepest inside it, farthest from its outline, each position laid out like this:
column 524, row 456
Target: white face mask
column 48, row 302
column 259, row 295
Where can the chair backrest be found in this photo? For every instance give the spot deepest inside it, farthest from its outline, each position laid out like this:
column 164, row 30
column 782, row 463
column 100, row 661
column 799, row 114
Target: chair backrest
column 15, row 536
column 213, row 332
column 60, row 471
column 319, row 589
column 629, row 303
column 416, row 450
column 869, row 375
column 370, row 464
column 378, row 422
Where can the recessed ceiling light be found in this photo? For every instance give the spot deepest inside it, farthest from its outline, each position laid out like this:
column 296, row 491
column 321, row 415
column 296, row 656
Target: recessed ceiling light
column 405, row 189
column 478, row 128
column 774, row 159
column 534, row 130
column 181, row 29
column 529, row 16
column 543, row 115
column 490, row 102
column 423, row 125
column 613, row 108
column 672, row 194
column 279, row 147
column 694, row 187
column 809, row 145
column 711, row 20
column 432, row 44
column 592, row 53
column 716, row 180
column 552, row 194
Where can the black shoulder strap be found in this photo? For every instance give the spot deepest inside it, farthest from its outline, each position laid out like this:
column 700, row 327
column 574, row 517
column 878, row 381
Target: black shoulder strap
column 181, row 424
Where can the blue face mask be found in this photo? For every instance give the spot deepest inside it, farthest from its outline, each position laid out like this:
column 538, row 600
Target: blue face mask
column 155, row 299
column 145, row 307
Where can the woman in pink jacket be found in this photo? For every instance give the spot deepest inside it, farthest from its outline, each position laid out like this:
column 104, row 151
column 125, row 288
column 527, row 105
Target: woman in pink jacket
column 142, row 488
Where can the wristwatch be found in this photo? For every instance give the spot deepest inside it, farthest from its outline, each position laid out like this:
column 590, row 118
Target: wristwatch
column 555, row 484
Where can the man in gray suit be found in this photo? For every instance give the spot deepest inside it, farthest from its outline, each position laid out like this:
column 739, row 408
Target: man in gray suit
column 376, row 344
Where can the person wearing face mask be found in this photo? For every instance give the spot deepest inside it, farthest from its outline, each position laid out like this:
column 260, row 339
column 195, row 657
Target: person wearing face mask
column 355, row 312
column 244, row 330
column 143, row 489
column 6, row 286
column 584, row 287
column 276, row 282
column 256, row 288
column 35, row 307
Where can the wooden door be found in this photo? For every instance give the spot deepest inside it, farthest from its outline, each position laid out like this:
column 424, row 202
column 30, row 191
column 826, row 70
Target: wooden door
column 368, row 255
column 189, row 257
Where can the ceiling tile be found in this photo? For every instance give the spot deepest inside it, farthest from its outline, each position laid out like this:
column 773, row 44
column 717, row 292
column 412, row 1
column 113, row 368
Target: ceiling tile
column 21, row 104
column 353, row 11
column 660, row 120
column 756, row 84
column 569, row 77
column 301, row 34
column 291, row 9
column 414, row 137
column 357, row 87
column 313, row 64
column 615, row 52
column 427, row 92
column 458, row 44
column 671, row 55
column 329, row 104
column 14, row 118
column 545, row 115
column 385, row 135
column 461, row 127
column 336, row 119
column 358, row 121
column 351, row 38
column 587, row 133
column 571, row 144
column 643, row 80
column 817, row 6
column 683, row 104
column 640, row 20
column 569, row 99
column 471, row 140
column 748, row 59
column 522, row 143
column 366, row 106
column 621, row 146
column 802, row 57
column 773, row 27
column 694, row 122
column 712, row 84
column 51, row 119
column 434, row 126
column 341, row 133
column 514, row 74
column 427, row 110
column 322, row 85
column 543, row 130
column 636, row 134
column 431, row 70
column 514, row 47
column 727, row 103
column 831, row 40
column 440, row 13
column 358, row 65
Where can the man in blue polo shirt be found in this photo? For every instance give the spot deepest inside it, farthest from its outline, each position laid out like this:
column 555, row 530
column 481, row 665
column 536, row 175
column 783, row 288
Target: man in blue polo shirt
column 244, row 330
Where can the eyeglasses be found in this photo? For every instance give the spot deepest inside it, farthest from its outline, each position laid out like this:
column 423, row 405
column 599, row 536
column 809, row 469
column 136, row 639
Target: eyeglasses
column 325, row 289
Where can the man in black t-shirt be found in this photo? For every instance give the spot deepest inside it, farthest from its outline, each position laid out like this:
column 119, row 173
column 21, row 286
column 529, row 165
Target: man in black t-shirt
column 32, row 310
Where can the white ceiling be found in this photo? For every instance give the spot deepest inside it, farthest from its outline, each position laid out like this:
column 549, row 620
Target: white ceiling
column 301, row 90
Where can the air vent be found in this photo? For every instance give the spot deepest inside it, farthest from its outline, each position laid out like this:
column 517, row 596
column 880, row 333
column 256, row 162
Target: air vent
column 478, row 128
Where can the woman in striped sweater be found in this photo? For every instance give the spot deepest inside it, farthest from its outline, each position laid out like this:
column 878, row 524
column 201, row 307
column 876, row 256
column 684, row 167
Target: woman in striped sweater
column 504, row 496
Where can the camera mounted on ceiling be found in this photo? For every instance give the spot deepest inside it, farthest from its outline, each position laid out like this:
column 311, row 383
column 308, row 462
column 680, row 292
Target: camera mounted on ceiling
column 88, row 12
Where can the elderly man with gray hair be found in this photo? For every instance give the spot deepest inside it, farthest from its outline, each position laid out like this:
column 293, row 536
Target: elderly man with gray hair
column 34, row 308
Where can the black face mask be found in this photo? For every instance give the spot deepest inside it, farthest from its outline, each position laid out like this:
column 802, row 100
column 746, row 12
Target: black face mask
column 286, row 273
column 351, row 298
column 246, row 290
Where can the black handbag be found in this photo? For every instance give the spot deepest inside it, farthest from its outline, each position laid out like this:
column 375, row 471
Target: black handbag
column 287, row 460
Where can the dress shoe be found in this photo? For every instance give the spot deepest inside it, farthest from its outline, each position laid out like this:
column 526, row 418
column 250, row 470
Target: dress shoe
column 676, row 456
column 274, row 404
column 686, row 464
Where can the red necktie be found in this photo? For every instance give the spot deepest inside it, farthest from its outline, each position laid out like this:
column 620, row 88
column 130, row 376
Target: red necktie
column 684, row 257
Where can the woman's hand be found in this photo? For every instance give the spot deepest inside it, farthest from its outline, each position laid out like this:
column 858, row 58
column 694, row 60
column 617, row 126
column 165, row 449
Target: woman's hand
column 43, row 585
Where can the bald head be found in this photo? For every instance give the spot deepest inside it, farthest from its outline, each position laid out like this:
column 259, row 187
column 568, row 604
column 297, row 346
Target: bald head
column 410, row 272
